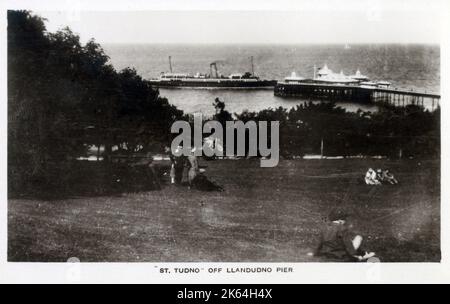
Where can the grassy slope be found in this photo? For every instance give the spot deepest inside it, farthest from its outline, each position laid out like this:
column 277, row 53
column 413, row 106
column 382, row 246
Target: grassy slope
column 264, row 215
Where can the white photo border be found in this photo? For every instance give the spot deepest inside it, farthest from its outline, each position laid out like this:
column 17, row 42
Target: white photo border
column 17, row 272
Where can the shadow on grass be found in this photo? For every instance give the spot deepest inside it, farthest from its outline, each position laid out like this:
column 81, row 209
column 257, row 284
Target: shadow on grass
column 86, row 178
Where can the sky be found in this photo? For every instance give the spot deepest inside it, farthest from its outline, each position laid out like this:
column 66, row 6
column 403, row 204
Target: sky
column 364, row 22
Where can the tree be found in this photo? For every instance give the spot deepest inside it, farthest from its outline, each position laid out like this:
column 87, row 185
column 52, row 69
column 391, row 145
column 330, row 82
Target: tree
column 64, row 97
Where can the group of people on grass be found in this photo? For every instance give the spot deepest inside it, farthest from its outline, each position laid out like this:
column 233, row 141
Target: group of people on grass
column 185, row 170
column 339, row 240
column 379, row 177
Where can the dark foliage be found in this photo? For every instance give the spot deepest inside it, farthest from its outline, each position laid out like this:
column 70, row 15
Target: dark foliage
column 392, row 131
column 64, row 97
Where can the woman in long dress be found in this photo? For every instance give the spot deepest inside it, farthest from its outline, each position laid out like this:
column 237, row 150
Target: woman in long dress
column 177, row 165
column 193, row 167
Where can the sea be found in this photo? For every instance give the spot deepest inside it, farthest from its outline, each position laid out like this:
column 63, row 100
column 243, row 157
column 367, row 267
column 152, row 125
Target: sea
column 406, row 66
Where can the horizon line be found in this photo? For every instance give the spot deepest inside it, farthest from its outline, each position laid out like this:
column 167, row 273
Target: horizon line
column 278, row 43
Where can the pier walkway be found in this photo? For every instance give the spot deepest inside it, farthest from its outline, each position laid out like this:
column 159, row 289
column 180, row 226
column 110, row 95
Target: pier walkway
column 358, row 93
column 401, row 97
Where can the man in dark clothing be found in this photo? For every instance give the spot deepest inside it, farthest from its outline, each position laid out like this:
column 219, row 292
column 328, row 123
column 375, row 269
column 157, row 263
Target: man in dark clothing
column 339, row 242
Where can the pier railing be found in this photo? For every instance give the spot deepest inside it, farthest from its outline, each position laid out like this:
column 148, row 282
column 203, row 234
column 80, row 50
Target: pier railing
column 358, row 93
column 400, row 97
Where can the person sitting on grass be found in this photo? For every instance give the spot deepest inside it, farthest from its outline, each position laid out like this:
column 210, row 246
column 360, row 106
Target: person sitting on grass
column 339, row 241
column 388, row 177
column 202, row 183
column 371, row 177
column 380, row 175
column 196, row 178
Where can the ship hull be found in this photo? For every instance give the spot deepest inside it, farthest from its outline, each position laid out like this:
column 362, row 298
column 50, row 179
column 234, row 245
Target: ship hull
column 214, row 84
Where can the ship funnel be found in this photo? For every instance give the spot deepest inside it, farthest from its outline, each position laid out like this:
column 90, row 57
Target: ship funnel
column 211, row 66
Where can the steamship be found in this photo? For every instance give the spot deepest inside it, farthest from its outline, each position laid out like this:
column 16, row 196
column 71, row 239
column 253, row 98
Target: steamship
column 212, row 80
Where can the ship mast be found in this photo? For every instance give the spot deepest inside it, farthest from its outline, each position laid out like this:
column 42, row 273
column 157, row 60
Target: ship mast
column 170, row 63
column 251, row 60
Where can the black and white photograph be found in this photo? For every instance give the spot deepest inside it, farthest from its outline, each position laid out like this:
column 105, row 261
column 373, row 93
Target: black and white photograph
column 253, row 135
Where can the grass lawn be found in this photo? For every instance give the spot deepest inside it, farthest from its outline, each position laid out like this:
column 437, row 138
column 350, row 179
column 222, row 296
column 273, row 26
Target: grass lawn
column 264, row 215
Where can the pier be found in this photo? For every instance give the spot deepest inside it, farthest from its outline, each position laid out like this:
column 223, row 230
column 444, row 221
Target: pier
column 358, row 93
column 403, row 97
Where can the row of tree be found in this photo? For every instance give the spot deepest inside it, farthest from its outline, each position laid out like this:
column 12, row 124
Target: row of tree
column 330, row 130
column 327, row 129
